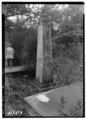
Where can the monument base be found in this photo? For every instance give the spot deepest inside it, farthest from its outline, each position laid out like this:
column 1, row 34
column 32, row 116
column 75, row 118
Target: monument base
column 42, row 87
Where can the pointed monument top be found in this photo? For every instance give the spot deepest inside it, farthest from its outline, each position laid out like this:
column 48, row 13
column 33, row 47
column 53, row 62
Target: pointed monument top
column 42, row 20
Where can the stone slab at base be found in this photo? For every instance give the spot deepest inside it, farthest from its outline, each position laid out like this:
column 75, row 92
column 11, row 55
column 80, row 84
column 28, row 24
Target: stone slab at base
column 51, row 104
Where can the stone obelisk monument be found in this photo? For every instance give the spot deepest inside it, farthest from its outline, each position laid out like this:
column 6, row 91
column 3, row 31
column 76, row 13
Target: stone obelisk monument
column 43, row 63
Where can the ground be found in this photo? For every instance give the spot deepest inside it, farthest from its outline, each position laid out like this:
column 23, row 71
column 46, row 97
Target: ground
column 18, row 89
column 63, row 101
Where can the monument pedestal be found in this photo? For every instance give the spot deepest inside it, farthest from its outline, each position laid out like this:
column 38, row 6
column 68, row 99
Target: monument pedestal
column 43, row 64
column 42, row 87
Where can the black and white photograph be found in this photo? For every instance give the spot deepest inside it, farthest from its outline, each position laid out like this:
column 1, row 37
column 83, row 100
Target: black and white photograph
column 43, row 59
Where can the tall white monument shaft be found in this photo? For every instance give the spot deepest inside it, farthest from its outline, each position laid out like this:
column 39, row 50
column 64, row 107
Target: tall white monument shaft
column 43, row 66
column 39, row 65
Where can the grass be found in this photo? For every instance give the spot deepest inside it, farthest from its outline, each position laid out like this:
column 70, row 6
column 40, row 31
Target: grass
column 15, row 91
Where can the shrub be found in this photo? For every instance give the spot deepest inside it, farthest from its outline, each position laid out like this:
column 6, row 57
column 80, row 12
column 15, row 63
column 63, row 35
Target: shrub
column 65, row 71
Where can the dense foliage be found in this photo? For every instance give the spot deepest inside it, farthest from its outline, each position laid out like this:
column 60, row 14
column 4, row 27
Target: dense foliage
column 68, row 20
column 67, row 45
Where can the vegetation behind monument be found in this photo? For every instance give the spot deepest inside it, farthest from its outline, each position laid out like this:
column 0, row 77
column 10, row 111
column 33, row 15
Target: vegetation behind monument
column 69, row 33
column 70, row 30
column 67, row 42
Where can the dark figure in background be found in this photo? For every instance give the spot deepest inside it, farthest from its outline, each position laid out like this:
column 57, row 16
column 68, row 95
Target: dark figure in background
column 9, row 56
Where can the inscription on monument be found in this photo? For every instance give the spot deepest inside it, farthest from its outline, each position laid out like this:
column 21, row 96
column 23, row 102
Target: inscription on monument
column 43, row 70
column 39, row 60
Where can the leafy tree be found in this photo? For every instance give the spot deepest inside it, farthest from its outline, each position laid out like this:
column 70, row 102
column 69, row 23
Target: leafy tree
column 14, row 9
column 69, row 21
column 18, row 36
column 70, row 30
column 30, row 48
